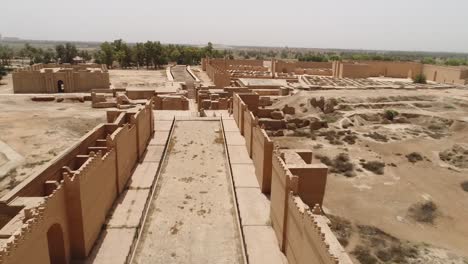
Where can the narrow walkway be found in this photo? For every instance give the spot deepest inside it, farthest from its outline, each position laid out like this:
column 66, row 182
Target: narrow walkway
column 118, row 236
column 192, row 217
column 254, row 207
column 181, row 74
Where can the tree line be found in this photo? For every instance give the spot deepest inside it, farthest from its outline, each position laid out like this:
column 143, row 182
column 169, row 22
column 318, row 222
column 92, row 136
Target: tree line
column 153, row 54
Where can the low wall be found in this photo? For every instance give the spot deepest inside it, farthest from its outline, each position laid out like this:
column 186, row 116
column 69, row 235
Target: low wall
column 56, row 215
column 444, row 74
column 291, row 67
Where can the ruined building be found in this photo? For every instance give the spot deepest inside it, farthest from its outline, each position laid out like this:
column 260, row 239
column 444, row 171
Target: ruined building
column 63, row 78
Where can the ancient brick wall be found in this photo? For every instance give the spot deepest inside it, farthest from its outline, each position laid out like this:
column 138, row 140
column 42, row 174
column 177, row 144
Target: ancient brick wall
column 28, row 241
column 249, row 123
column 296, row 187
column 290, row 67
column 143, row 120
column 43, row 78
column 444, row 74
column 97, row 193
column 262, row 152
column 124, row 140
column 58, row 213
column 280, row 186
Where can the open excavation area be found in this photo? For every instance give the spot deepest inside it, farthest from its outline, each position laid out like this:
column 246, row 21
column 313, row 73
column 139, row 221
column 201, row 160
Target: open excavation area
column 397, row 168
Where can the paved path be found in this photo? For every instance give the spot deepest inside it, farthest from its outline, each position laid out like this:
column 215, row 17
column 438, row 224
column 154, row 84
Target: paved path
column 192, row 217
column 181, row 74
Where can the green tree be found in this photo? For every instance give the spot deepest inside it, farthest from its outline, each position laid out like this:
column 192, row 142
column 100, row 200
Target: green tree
column 6, row 54
column 139, row 54
column 84, row 54
column 106, row 54
column 29, row 52
column 66, row 53
column 454, row 62
column 3, row 71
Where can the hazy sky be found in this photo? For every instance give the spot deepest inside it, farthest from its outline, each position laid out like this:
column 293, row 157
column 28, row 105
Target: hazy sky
column 429, row 25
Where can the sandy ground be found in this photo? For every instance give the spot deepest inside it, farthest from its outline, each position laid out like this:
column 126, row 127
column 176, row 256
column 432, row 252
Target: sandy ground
column 385, row 201
column 192, row 217
column 37, row 132
column 197, row 70
column 137, row 78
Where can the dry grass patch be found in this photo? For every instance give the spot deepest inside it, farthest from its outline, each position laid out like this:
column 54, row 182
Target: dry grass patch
column 376, row 167
column 424, row 212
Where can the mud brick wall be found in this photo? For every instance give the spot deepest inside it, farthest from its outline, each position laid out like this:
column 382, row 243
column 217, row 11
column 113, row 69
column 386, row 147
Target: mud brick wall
column 262, row 153
column 295, row 185
column 58, row 213
column 125, row 142
column 443, row 74
column 95, row 195
column 249, row 123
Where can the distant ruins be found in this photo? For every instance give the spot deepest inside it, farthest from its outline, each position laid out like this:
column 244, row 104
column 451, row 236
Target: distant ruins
column 224, row 72
column 60, row 78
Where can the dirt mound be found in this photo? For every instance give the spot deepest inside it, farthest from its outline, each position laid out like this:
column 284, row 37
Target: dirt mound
column 456, row 156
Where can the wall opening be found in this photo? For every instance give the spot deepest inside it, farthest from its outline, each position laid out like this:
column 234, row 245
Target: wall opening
column 60, row 86
column 435, row 76
column 56, row 245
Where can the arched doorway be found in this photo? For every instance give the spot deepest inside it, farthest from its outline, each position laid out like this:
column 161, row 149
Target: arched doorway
column 60, row 86
column 56, row 245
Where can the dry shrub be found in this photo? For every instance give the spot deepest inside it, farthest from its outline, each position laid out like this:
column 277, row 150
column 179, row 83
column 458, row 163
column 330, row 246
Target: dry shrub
column 385, row 247
column 464, row 186
column 341, row 164
column 375, row 166
column 425, row 212
column 414, row 157
column 350, row 139
column 364, row 255
column 342, row 229
column 377, row 136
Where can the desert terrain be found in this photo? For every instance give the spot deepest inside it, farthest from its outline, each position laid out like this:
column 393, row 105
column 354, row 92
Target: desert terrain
column 398, row 162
